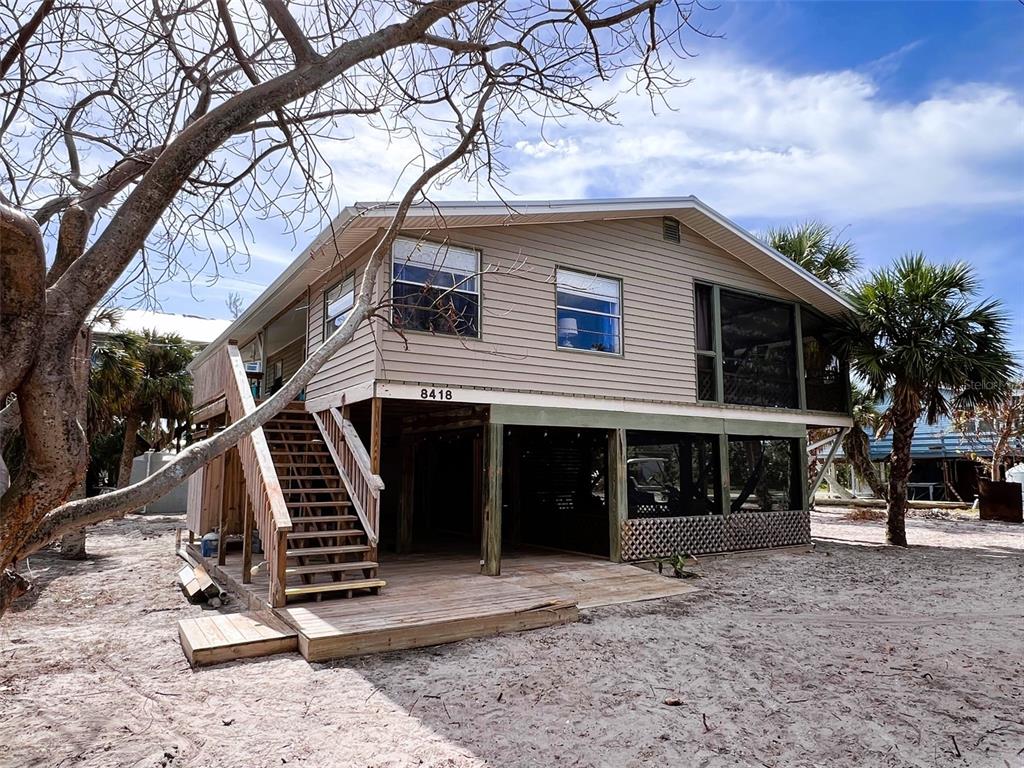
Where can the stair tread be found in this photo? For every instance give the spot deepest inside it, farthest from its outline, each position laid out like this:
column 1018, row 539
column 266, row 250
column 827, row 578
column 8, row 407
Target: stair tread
column 312, row 490
column 354, row 565
column 340, row 549
column 324, row 518
column 335, row 586
column 331, row 503
column 325, row 534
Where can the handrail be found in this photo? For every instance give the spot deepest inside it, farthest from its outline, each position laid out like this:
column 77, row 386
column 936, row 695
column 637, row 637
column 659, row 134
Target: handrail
column 353, row 463
column 261, row 482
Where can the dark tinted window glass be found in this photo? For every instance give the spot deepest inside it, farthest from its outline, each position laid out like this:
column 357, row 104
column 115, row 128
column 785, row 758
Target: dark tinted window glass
column 824, row 372
column 702, row 301
column 763, row 474
column 758, row 351
column 422, row 308
column 705, row 377
column 670, row 475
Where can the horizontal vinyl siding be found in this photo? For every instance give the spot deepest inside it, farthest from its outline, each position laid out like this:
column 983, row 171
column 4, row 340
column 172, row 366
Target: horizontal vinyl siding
column 292, row 355
column 517, row 349
column 356, row 361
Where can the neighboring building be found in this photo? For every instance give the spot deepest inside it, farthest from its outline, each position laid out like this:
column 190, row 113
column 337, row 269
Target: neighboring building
column 945, row 467
column 627, row 378
column 192, row 328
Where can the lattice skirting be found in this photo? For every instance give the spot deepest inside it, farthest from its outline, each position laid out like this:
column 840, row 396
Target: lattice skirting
column 646, row 538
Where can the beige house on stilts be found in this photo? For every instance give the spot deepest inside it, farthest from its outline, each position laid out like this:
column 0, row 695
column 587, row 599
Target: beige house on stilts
column 558, row 386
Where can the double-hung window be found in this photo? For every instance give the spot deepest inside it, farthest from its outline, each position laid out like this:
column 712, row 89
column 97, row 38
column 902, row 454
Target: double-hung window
column 338, row 301
column 435, row 288
column 589, row 311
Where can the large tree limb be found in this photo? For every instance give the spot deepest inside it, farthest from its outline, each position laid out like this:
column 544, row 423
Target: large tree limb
column 78, row 514
column 22, row 274
column 302, row 49
column 85, row 281
column 17, row 49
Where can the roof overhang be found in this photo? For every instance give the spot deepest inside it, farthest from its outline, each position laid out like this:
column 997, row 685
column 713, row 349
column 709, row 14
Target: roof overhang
column 361, row 222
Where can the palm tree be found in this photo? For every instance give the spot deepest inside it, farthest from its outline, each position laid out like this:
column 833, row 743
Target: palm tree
column 917, row 334
column 139, row 382
column 114, row 375
column 817, row 248
column 856, row 444
column 162, row 396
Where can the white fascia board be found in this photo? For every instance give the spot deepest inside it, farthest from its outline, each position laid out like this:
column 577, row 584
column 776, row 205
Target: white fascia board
column 788, row 263
column 282, row 280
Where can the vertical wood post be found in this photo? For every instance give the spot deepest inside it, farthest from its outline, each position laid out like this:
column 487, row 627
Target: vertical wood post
column 375, row 436
column 277, row 575
column 616, row 486
column 493, row 450
column 376, row 408
column 403, row 538
column 803, row 494
column 247, row 540
column 222, row 517
column 725, row 501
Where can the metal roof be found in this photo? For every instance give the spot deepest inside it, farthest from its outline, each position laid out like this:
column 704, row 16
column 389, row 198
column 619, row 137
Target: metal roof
column 192, row 328
column 360, row 222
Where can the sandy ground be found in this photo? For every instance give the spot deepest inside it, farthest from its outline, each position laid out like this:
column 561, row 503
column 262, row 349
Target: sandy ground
column 853, row 655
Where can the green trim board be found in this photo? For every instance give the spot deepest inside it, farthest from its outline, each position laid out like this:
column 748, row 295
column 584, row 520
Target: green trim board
column 801, row 373
column 716, row 342
column 539, row 416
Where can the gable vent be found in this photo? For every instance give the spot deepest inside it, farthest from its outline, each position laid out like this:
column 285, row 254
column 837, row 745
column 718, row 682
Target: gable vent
column 670, row 230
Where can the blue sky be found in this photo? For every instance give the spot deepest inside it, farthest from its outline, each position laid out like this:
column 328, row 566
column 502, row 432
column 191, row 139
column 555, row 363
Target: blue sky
column 902, row 123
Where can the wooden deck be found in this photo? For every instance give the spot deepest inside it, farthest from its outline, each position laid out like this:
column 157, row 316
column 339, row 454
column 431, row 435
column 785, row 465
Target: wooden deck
column 434, row 599
column 219, row 637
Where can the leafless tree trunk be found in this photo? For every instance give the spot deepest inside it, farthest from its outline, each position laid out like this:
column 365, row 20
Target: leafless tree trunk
column 193, row 116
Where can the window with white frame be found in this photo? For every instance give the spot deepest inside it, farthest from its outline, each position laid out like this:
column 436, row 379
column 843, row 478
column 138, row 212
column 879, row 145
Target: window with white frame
column 338, row 301
column 589, row 311
column 435, row 288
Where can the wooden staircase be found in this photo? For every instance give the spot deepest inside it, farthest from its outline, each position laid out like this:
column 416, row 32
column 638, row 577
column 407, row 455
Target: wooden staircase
column 328, row 550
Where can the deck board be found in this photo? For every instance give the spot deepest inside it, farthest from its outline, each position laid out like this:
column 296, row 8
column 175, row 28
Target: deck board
column 219, row 637
column 442, row 598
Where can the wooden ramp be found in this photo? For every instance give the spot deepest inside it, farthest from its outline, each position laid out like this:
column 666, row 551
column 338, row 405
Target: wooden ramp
column 220, row 637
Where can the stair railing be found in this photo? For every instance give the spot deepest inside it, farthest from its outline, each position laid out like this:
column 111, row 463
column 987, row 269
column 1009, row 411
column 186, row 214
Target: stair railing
column 261, row 483
column 353, row 463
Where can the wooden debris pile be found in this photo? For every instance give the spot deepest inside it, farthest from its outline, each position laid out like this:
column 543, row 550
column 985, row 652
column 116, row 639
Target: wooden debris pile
column 198, row 587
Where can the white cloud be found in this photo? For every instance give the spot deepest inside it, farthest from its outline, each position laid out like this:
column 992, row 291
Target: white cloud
column 756, row 142
column 559, row 147
column 753, row 142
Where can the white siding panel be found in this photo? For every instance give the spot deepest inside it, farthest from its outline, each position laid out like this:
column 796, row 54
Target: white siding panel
column 356, row 361
column 517, row 349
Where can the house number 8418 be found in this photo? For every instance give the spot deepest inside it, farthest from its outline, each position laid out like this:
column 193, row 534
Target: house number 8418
column 435, row 394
